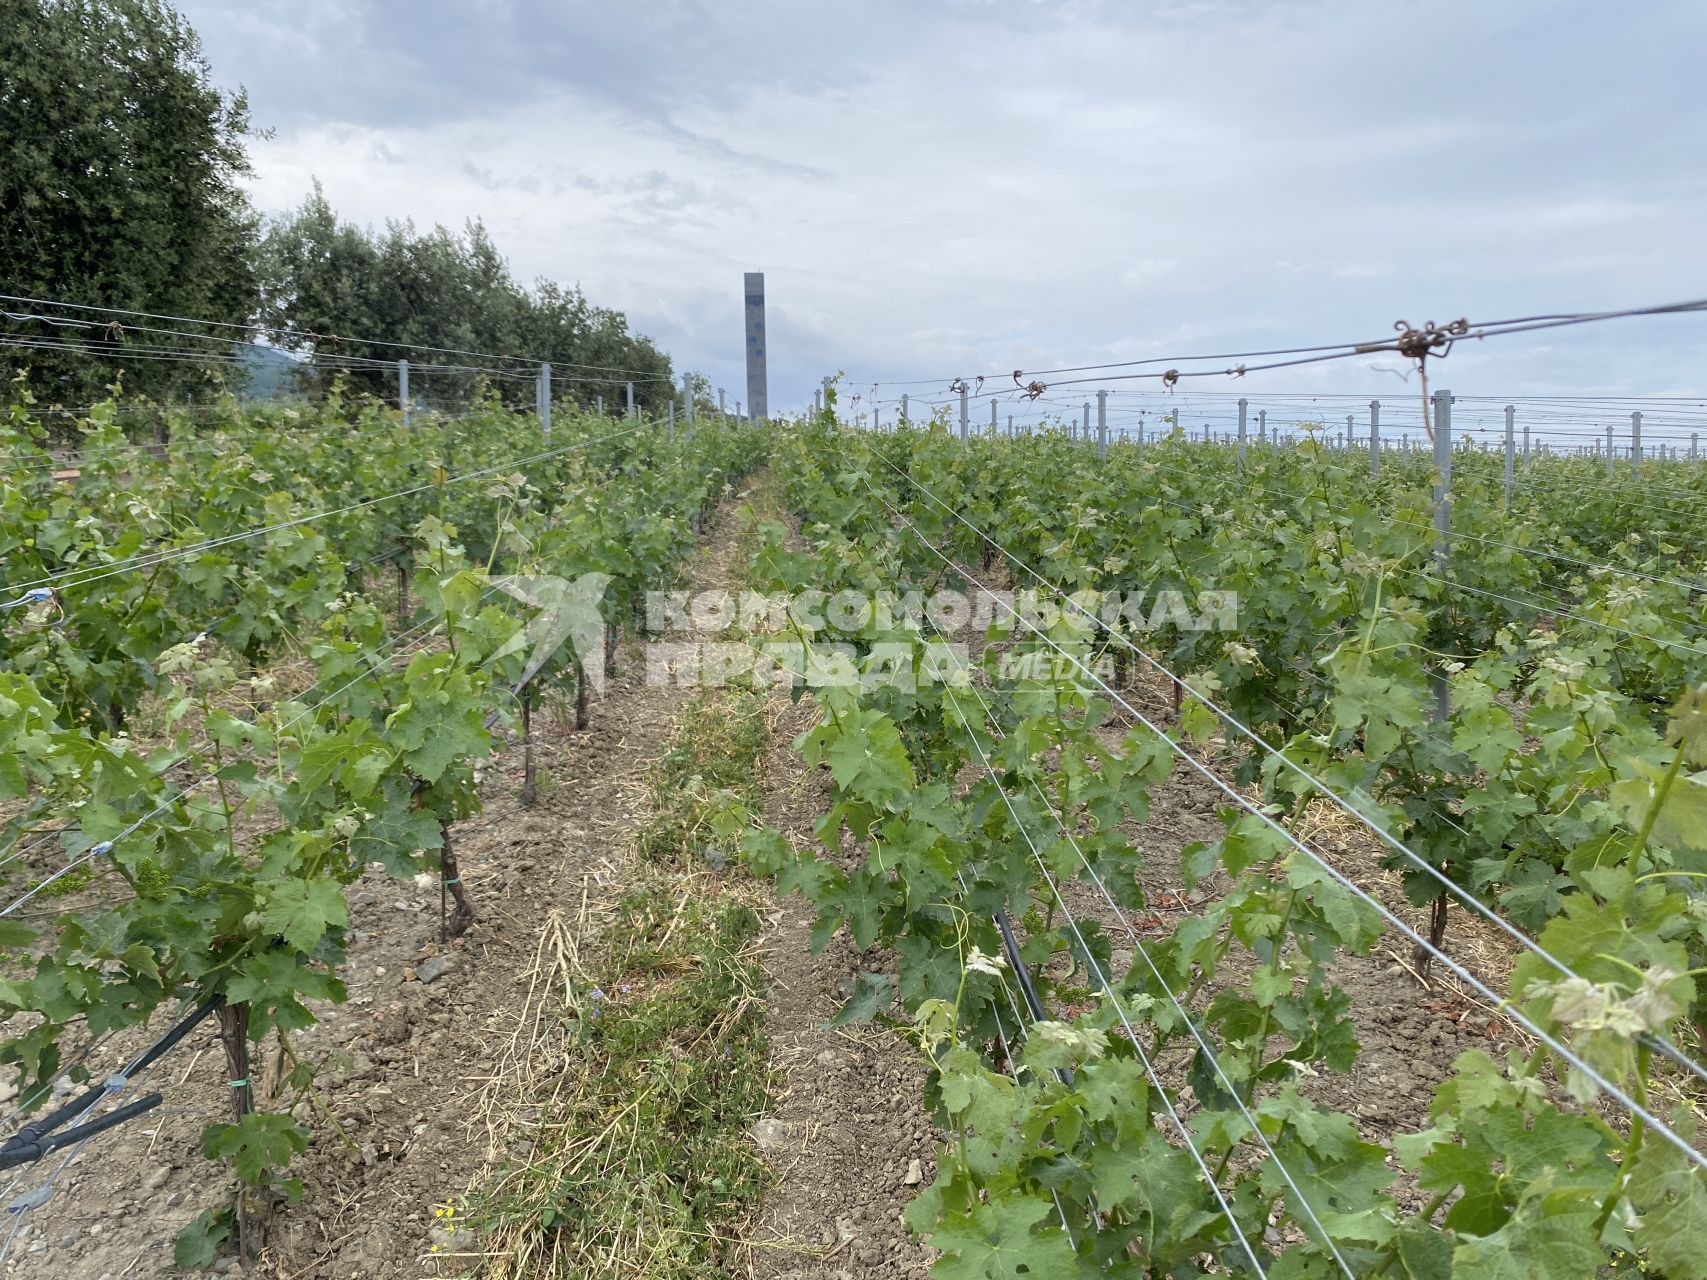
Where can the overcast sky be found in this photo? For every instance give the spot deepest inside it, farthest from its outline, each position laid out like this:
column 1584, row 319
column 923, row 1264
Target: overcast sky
column 942, row 187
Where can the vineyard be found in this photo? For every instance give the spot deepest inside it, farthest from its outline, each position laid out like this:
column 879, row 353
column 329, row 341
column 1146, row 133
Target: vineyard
column 1443, row 739
column 1505, row 704
column 211, row 727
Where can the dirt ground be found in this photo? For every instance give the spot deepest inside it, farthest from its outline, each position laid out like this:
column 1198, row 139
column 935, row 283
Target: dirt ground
column 851, row 1141
column 405, row 1062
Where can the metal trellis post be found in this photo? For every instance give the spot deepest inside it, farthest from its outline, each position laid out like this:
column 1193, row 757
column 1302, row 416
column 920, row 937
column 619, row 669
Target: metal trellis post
column 1510, row 448
column 1374, row 439
column 1102, row 426
column 1242, row 405
column 1442, row 525
column 545, row 400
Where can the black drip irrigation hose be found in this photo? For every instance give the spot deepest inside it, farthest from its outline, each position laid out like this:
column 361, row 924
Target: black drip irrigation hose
column 1027, row 989
column 1022, row 974
column 30, row 1152
column 38, row 1138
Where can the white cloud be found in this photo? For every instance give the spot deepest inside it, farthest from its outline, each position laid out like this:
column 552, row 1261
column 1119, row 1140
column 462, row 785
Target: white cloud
column 958, row 188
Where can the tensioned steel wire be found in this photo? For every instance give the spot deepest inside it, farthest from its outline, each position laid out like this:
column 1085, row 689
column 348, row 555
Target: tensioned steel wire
column 1541, row 552
column 1102, row 978
column 101, row 848
column 1542, row 604
column 1430, row 340
column 1413, row 858
column 320, row 337
column 1630, row 1104
column 148, row 560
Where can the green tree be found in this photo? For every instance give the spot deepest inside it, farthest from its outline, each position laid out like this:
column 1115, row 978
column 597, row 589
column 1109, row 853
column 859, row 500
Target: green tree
column 358, row 291
column 119, row 171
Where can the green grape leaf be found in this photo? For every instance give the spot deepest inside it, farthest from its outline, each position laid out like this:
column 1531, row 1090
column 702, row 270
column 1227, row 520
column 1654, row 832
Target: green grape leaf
column 1424, row 1254
column 1551, row 1236
column 1687, row 725
column 1681, row 822
column 197, row 1245
column 15, row 933
column 256, row 1145
column 872, row 994
column 303, row 910
column 995, row 1241
column 1669, row 1195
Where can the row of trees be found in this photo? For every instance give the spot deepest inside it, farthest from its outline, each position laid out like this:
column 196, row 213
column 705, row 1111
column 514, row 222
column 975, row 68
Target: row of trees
column 121, row 170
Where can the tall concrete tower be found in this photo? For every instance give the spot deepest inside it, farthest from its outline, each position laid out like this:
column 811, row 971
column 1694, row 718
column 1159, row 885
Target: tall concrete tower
column 758, row 397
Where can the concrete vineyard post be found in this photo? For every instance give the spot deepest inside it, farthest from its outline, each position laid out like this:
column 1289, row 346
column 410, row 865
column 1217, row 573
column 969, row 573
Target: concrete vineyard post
column 992, row 419
column 903, row 408
column 403, row 389
column 1442, row 525
column 1243, row 403
column 1102, row 426
column 1374, row 439
column 1510, row 447
column 1609, row 451
column 1636, row 443
column 965, row 418
column 545, row 400
column 629, row 388
column 687, row 396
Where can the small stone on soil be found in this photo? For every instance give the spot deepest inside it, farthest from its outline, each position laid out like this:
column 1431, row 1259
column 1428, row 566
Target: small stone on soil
column 431, row 970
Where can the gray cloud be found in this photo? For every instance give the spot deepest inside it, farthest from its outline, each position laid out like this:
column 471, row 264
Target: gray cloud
column 974, row 185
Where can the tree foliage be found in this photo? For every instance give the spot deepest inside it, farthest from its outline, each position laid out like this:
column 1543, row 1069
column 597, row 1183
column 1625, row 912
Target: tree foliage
column 439, row 292
column 119, row 170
